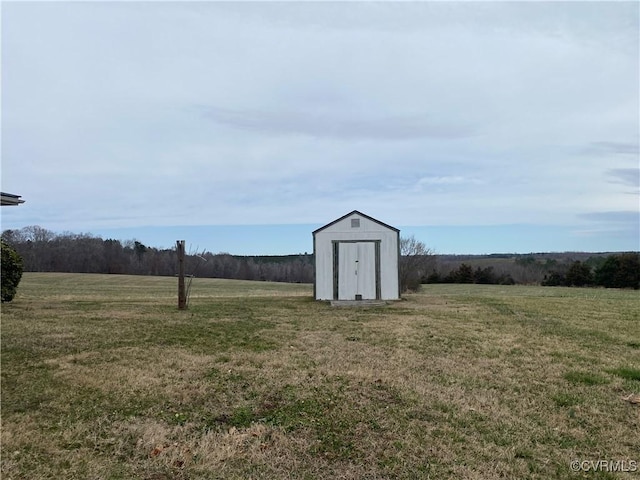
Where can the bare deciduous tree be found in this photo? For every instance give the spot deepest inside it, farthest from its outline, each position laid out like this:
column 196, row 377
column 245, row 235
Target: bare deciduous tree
column 416, row 261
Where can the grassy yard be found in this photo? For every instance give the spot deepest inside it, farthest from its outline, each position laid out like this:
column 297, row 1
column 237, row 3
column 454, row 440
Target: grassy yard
column 103, row 378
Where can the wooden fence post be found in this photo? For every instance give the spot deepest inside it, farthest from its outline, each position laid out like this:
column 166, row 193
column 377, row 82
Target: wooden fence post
column 182, row 294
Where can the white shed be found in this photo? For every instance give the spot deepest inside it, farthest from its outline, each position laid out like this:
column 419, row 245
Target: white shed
column 356, row 258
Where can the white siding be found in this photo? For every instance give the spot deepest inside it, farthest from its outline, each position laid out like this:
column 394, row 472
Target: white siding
column 356, row 243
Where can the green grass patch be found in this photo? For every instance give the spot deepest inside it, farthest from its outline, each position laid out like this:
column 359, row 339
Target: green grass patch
column 586, row 378
column 566, row 399
column 627, row 373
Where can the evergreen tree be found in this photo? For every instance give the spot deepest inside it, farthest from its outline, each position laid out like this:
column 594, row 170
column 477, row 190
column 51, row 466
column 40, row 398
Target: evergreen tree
column 11, row 271
column 579, row 275
column 619, row 271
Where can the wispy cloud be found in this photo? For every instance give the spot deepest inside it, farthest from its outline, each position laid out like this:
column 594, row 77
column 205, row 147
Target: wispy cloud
column 615, row 148
column 612, row 225
column 449, row 180
column 626, row 176
column 629, row 217
column 338, row 125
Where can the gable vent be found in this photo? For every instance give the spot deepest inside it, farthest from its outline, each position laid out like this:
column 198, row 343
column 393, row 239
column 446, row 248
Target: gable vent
column 355, row 223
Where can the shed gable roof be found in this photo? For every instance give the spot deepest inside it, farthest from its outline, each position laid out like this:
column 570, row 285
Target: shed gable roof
column 356, row 212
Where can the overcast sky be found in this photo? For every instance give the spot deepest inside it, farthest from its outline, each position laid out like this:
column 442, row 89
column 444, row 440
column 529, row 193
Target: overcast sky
column 440, row 118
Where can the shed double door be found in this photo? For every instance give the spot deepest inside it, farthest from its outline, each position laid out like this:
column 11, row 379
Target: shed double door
column 358, row 267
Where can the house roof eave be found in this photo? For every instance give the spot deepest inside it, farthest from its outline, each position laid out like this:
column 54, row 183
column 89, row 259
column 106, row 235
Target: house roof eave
column 8, row 199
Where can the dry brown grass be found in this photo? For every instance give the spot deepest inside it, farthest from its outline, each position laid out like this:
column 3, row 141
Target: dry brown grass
column 455, row 382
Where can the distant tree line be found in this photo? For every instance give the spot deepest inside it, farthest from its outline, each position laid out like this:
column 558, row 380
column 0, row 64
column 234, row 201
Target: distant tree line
column 621, row 270
column 45, row 251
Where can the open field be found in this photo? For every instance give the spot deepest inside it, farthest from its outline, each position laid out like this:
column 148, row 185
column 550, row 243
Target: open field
column 103, row 378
